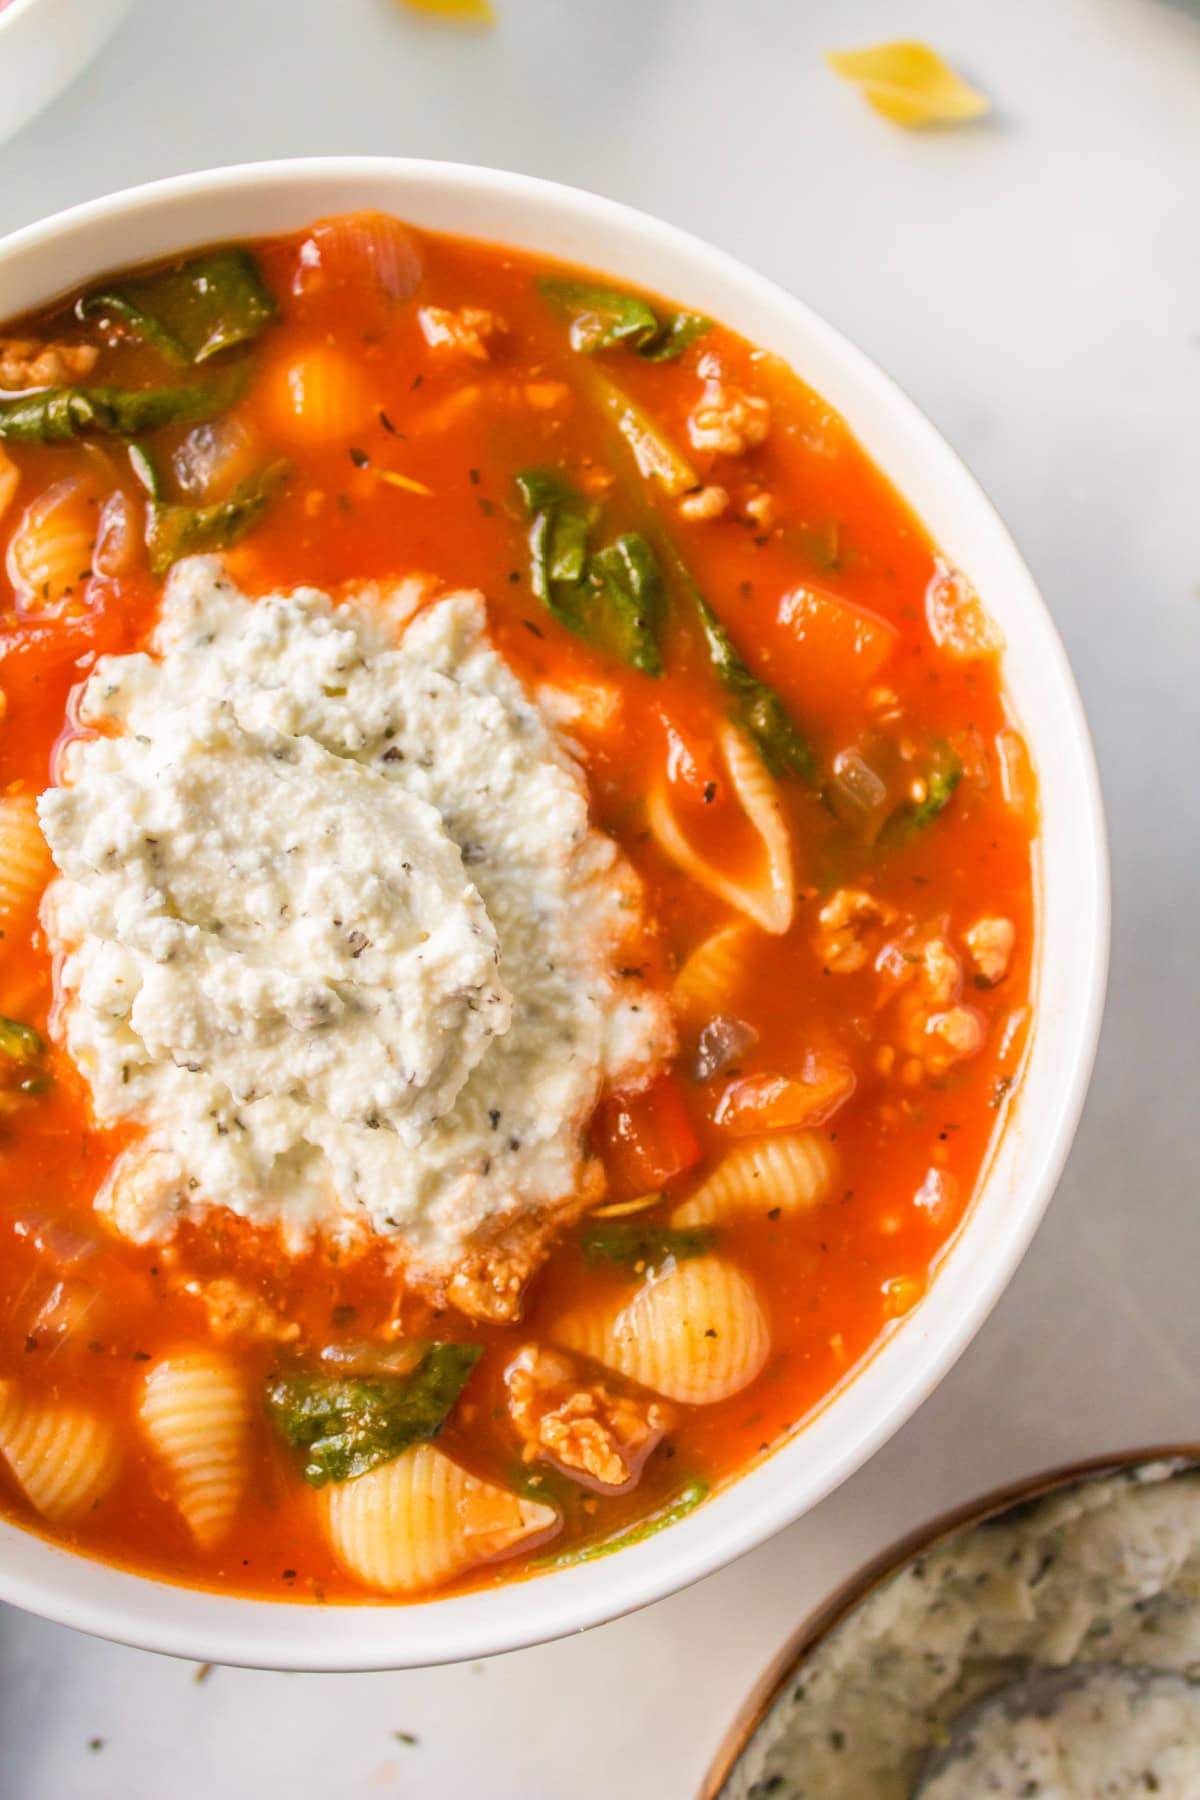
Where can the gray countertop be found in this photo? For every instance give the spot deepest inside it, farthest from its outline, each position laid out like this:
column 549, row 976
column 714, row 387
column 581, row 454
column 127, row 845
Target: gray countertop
column 1035, row 285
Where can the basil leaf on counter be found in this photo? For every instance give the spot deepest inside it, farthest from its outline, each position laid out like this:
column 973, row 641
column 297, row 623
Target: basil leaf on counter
column 191, row 313
column 174, row 530
column 630, row 1242
column 686, row 1501
column 349, row 1424
column 59, row 415
column 602, row 318
column 612, row 597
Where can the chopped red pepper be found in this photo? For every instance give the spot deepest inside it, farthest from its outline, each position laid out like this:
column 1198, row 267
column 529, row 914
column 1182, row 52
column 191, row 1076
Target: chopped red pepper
column 645, row 1139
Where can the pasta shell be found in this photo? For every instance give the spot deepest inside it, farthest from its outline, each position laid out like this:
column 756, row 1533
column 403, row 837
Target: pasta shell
column 419, row 1520
column 24, row 855
column 769, row 899
column 792, row 1171
column 710, row 974
column 697, row 1333
column 64, row 1458
column 321, row 397
column 195, row 1410
column 475, row 11
column 50, row 552
column 910, row 84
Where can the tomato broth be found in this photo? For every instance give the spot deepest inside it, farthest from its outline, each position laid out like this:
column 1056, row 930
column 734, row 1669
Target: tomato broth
column 394, row 389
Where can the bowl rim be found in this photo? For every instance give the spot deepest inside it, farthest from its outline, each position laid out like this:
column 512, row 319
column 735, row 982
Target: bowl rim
column 886, row 1564
column 64, row 1585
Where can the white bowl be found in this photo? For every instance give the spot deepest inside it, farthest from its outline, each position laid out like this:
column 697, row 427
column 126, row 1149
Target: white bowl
column 43, row 46
column 45, row 261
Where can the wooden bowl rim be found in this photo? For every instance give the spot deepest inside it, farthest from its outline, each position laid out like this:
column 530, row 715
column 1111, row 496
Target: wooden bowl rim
column 886, row 1564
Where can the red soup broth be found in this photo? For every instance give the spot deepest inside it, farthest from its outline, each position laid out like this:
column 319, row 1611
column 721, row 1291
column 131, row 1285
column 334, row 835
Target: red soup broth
column 835, row 600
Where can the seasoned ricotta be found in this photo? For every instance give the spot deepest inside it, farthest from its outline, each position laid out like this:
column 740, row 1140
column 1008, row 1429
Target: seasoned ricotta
column 1102, row 1579
column 335, row 928
column 1096, row 1733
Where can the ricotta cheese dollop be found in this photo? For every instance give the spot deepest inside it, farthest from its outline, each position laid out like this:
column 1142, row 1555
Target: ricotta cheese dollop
column 336, row 931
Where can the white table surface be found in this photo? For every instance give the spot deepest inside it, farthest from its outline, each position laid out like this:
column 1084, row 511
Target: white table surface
column 1035, row 285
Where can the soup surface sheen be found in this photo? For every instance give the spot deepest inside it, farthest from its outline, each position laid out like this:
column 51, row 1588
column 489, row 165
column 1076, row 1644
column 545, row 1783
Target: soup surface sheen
column 517, row 907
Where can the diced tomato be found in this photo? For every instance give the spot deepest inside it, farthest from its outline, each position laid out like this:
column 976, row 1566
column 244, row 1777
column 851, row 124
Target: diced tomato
column 776, row 1103
column 645, row 1139
column 692, row 767
column 845, row 647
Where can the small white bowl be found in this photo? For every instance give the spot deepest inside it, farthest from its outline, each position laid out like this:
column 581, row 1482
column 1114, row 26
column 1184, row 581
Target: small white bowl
column 47, row 260
column 43, row 46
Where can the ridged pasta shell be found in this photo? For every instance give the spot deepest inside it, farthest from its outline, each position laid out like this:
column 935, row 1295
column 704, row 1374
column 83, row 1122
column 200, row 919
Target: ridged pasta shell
column 769, row 899
column 419, row 1520
column 64, row 1458
column 195, row 1410
column 321, row 396
column 24, row 855
column 50, row 552
column 697, row 1333
column 790, row 1170
column 710, row 974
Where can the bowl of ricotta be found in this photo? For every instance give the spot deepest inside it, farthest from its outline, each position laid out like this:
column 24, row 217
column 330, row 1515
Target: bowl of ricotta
column 1044, row 1641
column 454, row 1006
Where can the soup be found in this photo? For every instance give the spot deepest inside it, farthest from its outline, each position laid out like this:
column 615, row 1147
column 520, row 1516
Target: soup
column 517, row 905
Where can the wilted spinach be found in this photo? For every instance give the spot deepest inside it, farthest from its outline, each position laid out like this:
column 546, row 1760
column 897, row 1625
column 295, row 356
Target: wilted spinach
column 686, row 1501
column 348, row 1424
column 941, row 779
column 602, row 318
column 637, row 1243
column 174, row 530
column 19, row 1042
column 190, row 313
column 613, row 597
column 58, row 415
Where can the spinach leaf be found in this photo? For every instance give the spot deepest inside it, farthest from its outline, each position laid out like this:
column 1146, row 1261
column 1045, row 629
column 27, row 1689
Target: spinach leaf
column 657, row 458
column 631, row 1241
column 20, row 1042
column 558, row 540
column 173, row 530
column 677, row 331
column 686, row 1501
column 613, row 597
column 757, row 708
column 627, row 572
column 190, row 313
column 940, row 784
column 349, row 1424
column 59, row 415
column 941, row 779
column 601, row 318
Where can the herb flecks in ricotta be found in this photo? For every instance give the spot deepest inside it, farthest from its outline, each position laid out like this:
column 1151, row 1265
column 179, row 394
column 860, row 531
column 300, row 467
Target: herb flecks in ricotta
column 1102, row 1578
column 336, row 930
